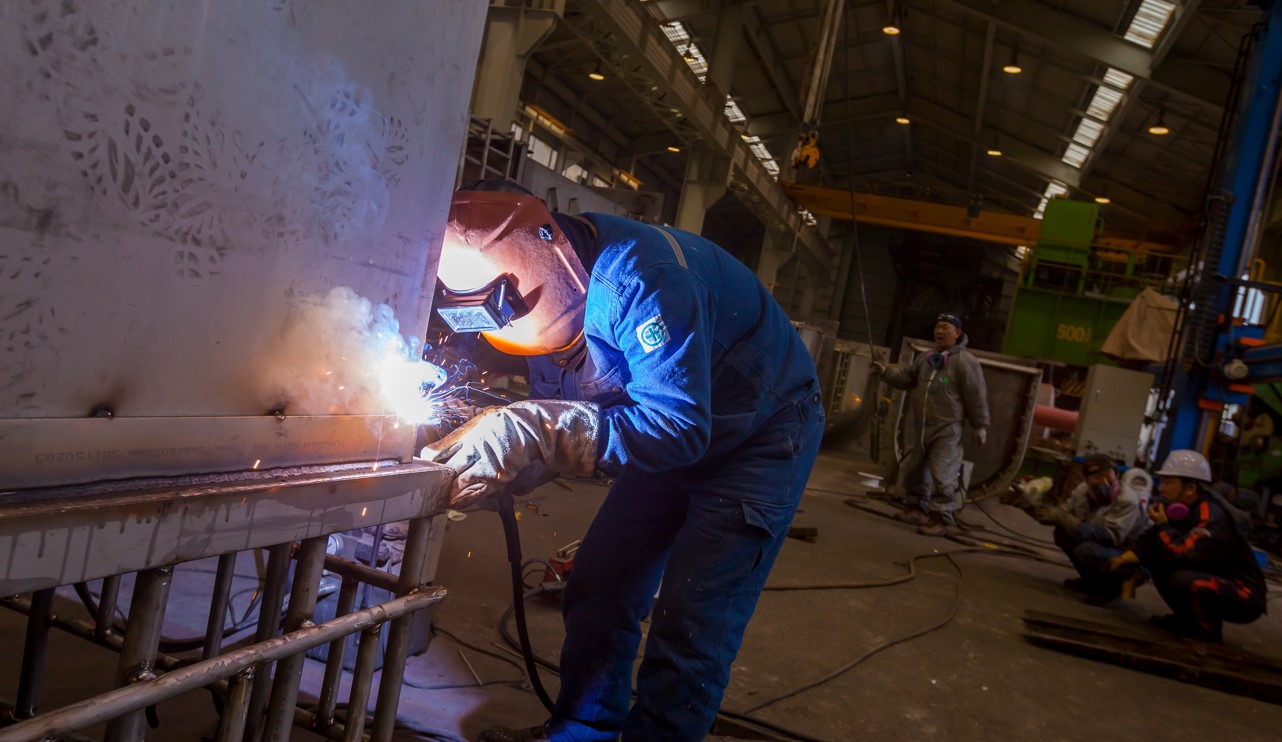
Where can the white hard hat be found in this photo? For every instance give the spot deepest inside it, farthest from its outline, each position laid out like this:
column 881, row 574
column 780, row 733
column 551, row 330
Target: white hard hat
column 1186, row 464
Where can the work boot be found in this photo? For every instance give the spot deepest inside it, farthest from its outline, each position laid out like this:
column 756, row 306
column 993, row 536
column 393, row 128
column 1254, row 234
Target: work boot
column 507, row 734
column 912, row 515
column 935, row 525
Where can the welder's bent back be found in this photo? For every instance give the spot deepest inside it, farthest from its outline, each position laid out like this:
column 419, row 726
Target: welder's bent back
column 685, row 349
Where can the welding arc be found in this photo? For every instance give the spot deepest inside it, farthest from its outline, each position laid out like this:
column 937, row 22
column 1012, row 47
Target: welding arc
column 507, row 514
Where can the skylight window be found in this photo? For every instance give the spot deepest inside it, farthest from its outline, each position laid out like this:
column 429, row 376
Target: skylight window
column 1053, row 190
column 1149, row 22
column 1075, row 155
column 1088, row 132
column 1118, row 79
column 734, row 113
column 1104, row 102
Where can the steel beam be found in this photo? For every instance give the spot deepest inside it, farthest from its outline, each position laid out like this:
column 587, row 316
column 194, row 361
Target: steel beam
column 84, row 533
column 661, row 78
column 924, row 216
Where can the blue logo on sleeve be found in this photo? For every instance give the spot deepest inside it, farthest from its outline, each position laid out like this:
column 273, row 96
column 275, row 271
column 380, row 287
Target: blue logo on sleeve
column 652, row 333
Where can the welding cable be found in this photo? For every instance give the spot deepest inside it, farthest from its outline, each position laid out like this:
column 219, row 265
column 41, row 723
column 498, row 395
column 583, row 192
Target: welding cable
column 852, row 502
column 1005, row 527
column 556, row 587
column 947, row 619
column 438, row 629
column 167, row 644
column 507, row 514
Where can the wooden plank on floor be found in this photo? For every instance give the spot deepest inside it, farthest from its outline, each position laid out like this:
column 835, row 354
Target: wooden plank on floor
column 1230, row 670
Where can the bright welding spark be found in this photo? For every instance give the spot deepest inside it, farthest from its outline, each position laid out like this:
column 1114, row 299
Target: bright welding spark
column 257, row 462
column 364, row 511
column 405, row 383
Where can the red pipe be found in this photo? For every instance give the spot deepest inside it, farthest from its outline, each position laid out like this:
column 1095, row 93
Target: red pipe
column 1055, row 418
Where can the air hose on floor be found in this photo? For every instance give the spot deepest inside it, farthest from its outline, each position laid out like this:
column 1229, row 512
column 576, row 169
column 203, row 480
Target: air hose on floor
column 507, row 514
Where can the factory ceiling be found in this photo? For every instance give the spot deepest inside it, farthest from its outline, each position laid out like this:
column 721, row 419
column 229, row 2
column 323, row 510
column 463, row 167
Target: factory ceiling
column 1094, row 76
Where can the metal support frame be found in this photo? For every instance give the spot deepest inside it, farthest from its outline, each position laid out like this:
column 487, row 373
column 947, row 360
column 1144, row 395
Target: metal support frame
column 240, row 678
column 1251, row 156
column 138, row 696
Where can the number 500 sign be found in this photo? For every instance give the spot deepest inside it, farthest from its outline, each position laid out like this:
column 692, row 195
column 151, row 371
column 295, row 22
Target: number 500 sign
column 1073, row 333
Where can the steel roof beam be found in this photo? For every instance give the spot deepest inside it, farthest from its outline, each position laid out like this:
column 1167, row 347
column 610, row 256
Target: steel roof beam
column 1075, row 34
column 639, row 52
column 1033, row 159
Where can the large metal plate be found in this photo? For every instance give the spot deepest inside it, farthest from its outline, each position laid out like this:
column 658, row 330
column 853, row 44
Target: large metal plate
column 183, row 185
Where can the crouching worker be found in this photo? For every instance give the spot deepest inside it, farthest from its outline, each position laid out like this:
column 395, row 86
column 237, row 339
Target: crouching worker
column 657, row 359
column 1197, row 553
column 1098, row 521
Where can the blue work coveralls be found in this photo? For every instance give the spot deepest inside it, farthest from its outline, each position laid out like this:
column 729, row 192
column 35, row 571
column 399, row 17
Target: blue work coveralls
column 711, row 422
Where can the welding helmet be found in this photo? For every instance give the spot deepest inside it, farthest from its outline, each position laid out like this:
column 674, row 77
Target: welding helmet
column 508, row 272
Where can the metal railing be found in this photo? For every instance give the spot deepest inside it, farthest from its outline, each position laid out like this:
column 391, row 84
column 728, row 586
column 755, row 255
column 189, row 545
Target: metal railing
column 255, row 703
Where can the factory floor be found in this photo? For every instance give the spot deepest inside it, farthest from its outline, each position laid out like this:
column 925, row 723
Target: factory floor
column 977, row 677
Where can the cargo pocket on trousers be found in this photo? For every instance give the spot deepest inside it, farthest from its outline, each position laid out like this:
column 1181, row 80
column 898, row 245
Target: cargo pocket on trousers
column 747, row 548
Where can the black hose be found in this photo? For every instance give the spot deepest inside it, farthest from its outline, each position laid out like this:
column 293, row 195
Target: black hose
column 507, row 514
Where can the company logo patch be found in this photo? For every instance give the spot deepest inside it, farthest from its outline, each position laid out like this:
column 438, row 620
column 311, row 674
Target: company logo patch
column 652, row 333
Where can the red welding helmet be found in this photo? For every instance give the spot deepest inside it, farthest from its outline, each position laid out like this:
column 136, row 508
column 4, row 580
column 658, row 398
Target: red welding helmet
column 504, row 249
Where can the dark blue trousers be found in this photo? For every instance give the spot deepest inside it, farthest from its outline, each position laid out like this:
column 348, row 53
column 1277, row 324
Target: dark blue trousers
column 710, row 533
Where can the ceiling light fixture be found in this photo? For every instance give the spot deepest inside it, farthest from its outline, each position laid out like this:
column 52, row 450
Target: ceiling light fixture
column 994, row 152
column 673, row 148
column 596, row 74
column 903, row 120
column 1103, row 200
column 1012, row 67
column 894, row 26
column 1159, row 128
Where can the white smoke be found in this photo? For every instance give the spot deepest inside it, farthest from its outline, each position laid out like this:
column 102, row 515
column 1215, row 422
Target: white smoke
column 344, row 355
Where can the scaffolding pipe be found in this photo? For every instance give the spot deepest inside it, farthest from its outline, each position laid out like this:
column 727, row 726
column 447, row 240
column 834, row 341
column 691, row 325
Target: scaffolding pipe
column 232, row 727
column 138, row 652
column 334, row 661
column 362, row 679
column 33, row 654
column 218, row 605
column 302, row 603
column 398, row 636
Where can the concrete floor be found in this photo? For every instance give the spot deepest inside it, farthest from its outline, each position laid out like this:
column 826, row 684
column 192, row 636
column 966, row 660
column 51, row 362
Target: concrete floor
column 976, row 678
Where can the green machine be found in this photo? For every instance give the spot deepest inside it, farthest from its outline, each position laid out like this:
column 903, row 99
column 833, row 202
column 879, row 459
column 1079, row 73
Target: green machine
column 1070, row 295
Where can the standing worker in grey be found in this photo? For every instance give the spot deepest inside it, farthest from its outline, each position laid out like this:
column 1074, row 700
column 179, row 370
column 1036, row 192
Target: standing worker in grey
column 947, row 389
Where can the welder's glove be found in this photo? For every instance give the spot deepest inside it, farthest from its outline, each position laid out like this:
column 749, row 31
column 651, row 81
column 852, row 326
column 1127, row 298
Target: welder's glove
column 1123, row 562
column 878, row 368
column 981, row 436
column 1053, row 516
column 513, row 449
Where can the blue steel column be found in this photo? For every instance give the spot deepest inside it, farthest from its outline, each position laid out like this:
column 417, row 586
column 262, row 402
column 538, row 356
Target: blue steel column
column 1252, row 140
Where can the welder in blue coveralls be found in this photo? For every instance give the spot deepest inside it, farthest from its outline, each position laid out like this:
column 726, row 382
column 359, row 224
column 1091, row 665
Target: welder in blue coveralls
column 660, row 361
